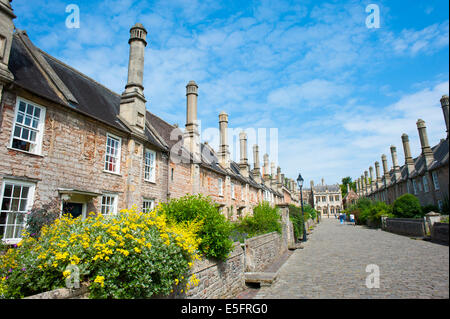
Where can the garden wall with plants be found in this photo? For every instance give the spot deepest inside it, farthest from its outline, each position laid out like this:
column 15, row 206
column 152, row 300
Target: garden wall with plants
column 182, row 249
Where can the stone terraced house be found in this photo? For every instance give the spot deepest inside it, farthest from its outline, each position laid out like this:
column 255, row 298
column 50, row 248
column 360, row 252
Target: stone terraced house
column 425, row 176
column 69, row 142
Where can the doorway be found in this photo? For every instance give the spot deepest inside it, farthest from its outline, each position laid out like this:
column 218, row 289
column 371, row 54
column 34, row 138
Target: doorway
column 74, row 209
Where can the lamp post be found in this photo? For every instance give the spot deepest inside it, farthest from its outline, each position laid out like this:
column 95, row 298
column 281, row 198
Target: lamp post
column 300, row 185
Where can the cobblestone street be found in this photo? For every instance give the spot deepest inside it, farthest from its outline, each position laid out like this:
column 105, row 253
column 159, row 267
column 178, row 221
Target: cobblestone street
column 333, row 265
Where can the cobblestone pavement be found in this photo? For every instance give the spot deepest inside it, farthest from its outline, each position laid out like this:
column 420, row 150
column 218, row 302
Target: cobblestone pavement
column 333, row 265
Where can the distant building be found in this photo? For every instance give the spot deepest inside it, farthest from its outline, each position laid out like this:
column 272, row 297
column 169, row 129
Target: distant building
column 327, row 199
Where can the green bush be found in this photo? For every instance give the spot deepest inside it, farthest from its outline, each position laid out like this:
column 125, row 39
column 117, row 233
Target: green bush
column 265, row 219
column 128, row 255
column 367, row 210
column 295, row 215
column 407, row 206
column 216, row 230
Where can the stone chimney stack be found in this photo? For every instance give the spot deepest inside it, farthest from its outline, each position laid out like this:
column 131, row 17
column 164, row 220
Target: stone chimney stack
column 377, row 172
column 363, row 186
column 132, row 101
column 283, row 180
column 348, row 188
column 372, row 180
column 273, row 179
column 256, row 169
column 396, row 167
column 409, row 162
column 426, row 149
column 444, row 104
column 266, row 167
column 279, row 182
column 6, row 36
column 366, row 181
column 243, row 164
column 191, row 134
column 357, row 186
column 323, row 181
column 387, row 177
column 224, row 152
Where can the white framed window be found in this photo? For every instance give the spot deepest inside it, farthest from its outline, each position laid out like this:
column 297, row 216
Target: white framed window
column 434, row 175
column 425, row 184
column 16, row 201
column 150, row 165
column 414, row 186
column 28, row 127
column 112, row 155
column 148, row 205
column 109, row 204
column 220, row 186
column 233, row 193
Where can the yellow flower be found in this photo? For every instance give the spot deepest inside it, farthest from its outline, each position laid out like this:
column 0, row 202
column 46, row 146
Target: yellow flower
column 66, row 273
column 100, row 280
column 75, row 260
column 137, row 250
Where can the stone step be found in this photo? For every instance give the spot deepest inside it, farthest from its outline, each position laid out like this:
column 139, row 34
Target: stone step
column 295, row 246
column 262, row 278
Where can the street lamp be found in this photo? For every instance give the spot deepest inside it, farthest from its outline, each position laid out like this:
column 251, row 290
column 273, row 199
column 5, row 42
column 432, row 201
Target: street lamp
column 300, row 185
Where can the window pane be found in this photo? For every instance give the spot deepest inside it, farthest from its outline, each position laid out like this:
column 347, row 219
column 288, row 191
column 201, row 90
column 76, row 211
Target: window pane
column 35, row 123
column 25, row 133
column 22, row 106
column 37, row 112
column 20, row 117
column 30, row 109
column 15, row 205
column 17, row 131
column 16, row 191
column 27, row 120
column 8, row 191
column 5, row 204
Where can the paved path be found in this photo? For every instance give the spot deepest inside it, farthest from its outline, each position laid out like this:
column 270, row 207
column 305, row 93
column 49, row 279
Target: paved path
column 333, row 265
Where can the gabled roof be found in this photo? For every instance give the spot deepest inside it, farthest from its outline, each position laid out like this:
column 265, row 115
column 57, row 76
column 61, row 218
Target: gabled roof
column 49, row 78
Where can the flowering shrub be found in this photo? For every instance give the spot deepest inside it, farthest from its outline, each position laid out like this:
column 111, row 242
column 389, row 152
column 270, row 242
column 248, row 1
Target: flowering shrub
column 39, row 217
column 128, row 255
column 215, row 231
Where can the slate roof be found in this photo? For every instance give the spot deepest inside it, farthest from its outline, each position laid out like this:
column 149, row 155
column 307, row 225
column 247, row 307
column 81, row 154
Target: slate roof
column 323, row 188
column 441, row 157
column 92, row 99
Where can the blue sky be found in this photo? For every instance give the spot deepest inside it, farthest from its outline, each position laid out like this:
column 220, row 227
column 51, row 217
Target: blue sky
column 339, row 93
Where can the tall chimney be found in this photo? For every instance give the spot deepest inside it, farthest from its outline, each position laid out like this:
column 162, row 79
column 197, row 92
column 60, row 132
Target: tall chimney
column 283, row 180
column 426, row 149
column 279, row 182
column 273, row 178
column 224, row 153
column 363, row 186
column 409, row 162
column 444, row 104
column 387, row 177
column 372, row 180
column 357, row 186
column 243, row 164
column 377, row 172
column 191, row 134
column 6, row 36
column 256, row 168
column 366, row 182
column 396, row 167
column 266, row 167
column 132, row 101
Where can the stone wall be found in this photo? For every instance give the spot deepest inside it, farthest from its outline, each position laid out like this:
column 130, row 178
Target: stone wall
column 406, row 226
column 218, row 279
column 63, row 293
column 439, row 233
column 262, row 250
